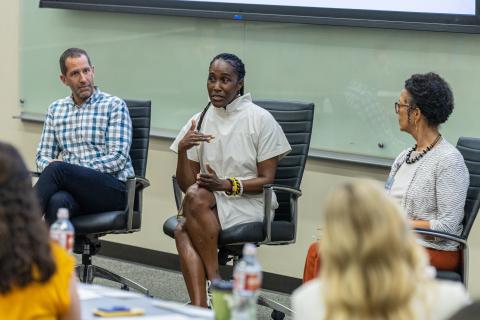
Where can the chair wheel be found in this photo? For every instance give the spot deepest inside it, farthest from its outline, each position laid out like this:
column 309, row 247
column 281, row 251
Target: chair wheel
column 277, row 315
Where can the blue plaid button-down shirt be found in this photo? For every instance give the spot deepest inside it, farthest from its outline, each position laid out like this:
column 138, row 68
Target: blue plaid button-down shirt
column 95, row 135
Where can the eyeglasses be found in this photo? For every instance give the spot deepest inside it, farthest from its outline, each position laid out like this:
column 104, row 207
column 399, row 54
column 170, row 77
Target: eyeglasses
column 398, row 105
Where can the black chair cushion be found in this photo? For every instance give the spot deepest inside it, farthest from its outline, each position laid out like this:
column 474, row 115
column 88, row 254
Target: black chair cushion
column 242, row 233
column 104, row 222
column 247, row 232
column 449, row 275
column 169, row 226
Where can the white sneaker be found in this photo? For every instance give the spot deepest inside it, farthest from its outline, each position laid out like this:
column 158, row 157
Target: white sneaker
column 209, row 293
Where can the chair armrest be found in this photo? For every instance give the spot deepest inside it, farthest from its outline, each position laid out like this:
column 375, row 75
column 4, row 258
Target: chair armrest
column 282, row 188
column 442, row 235
column 267, row 198
column 177, row 193
column 142, row 182
column 133, row 184
column 35, row 174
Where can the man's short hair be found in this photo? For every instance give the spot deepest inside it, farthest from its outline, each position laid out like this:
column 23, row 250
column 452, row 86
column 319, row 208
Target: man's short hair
column 72, row 53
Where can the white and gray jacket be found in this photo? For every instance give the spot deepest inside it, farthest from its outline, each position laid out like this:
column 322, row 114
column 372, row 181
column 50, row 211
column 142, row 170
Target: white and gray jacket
column 437, row 192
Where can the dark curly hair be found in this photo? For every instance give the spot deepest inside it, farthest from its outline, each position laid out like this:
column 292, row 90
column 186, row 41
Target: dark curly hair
column 432, row 95
column 25, row 254
column 235, row 62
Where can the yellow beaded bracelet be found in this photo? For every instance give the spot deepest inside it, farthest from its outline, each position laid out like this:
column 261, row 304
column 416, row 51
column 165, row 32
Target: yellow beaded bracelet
column 236, row 187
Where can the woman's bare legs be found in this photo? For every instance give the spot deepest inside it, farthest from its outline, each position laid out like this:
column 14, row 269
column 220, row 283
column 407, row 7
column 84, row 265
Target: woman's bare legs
column 191, row 266
column 196, row 240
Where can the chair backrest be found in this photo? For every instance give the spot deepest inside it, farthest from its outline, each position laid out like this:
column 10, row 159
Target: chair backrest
column 296, row 120
column 140, row 114
column 470, row 150
column 468, row 312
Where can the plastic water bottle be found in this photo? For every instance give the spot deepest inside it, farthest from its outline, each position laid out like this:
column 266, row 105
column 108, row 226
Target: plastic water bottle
column 247, row 280
column 62, row 231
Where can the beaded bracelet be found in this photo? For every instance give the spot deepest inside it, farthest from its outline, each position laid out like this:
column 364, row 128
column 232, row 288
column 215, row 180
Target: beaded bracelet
column 241, row 187
column 237, row 187
column 232, row 187
column 228, row 193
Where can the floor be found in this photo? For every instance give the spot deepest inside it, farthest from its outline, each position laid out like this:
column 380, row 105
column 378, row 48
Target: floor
column 167, row 284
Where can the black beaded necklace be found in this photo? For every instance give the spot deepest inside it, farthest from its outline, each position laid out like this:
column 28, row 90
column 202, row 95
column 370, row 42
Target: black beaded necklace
column 424, row 151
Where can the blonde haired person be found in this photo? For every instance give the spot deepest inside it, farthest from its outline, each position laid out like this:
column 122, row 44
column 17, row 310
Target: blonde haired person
column 372, row 266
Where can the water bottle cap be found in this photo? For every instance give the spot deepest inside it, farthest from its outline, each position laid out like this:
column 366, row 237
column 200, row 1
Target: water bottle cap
column 62, row 213
column 249, row 249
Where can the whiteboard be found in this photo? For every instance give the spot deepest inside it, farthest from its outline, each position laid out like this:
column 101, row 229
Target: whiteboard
column 353, row 75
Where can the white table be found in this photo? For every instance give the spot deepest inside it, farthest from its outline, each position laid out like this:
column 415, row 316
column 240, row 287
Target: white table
column 95, row 296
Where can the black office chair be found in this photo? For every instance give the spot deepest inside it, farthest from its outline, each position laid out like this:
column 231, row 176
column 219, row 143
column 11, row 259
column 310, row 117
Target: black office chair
column 296, row 120
column 89, row 228
column 470, row 150
column 469, row 312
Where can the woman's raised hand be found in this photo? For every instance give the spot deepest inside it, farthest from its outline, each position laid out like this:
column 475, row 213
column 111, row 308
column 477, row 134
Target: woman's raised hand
column 211, row 181
column 193, row 138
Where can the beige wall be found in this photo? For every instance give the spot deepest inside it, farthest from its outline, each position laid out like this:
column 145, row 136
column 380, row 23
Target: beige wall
column 320, row 176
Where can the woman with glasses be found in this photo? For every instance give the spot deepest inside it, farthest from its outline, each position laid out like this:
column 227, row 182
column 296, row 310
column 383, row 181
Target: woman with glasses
column 430, row 179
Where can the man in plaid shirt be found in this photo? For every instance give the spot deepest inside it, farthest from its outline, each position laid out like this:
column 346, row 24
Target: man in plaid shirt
column 92, row 132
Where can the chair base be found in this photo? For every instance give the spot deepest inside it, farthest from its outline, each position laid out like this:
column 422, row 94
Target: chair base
column 88, row 246
column 279, row 310
column 86, row 274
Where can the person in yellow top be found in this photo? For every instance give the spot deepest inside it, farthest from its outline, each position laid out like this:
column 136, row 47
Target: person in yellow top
column 36, row 276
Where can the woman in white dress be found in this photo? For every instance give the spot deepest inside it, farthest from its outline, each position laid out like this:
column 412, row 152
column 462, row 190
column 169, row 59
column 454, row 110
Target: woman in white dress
column 225, row 155
column 372, row 265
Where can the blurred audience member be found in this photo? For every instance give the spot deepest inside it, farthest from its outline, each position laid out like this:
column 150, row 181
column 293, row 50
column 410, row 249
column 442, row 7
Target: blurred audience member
column 36, row 276
column 372, row 266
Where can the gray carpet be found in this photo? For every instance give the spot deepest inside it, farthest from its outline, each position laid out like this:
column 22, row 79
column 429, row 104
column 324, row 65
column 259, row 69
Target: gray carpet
column 167, row 284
